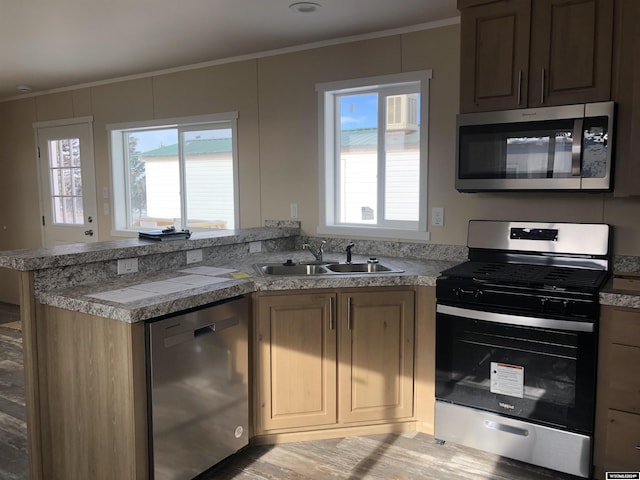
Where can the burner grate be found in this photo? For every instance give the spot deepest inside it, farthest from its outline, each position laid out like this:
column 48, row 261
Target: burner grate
column 529, row 274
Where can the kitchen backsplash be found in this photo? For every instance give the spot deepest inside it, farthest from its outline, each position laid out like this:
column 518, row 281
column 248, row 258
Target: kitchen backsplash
column 374, row 248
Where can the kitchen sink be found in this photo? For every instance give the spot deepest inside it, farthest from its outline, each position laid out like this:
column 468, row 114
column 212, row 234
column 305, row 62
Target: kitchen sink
column 289, row 268
column 358, row 268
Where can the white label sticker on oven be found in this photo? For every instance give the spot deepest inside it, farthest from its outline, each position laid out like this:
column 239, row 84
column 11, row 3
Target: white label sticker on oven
column 507, row 379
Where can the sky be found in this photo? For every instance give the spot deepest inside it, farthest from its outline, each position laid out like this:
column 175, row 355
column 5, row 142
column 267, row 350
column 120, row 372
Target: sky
column 358, row 111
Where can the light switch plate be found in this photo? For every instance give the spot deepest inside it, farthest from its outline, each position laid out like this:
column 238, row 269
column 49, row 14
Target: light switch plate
column 437, row 216
column 127, row 265
column 194, row 256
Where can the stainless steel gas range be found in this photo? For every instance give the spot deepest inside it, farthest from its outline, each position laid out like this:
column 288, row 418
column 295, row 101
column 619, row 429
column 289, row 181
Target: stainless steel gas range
column 516, row 340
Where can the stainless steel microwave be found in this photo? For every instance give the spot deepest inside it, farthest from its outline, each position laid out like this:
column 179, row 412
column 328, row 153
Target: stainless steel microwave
column 550, row 148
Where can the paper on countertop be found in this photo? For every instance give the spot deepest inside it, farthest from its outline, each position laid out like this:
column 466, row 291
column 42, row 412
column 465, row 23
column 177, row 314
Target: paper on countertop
column 144, row 291
column 194, row 280
column 123, row 295
column 211, row 271
column 161, row 287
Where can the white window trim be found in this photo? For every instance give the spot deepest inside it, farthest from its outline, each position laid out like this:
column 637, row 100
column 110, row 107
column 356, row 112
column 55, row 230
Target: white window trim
column 118, row 187
column 326, row 145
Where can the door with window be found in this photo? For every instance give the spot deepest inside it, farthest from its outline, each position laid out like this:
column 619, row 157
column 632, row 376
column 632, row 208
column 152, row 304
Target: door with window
column 67, row 183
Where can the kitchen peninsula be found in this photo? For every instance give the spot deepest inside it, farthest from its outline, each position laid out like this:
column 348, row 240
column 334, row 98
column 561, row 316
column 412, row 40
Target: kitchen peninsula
column 85, row 359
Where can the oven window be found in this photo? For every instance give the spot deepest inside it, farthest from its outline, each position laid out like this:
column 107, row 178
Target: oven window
column 524, row 372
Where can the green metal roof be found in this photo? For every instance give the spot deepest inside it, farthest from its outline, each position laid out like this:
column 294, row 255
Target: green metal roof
column 363, row 137
column 192, row 147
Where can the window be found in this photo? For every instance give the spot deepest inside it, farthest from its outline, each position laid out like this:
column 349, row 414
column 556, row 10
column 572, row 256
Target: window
column 65, row 172
column 373, row 156
column 180, row 172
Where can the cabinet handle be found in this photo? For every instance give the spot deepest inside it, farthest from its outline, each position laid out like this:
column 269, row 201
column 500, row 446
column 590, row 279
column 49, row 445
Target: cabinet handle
column 519, row 87
column 332, row 325
column 542, row 87
column 349, row 313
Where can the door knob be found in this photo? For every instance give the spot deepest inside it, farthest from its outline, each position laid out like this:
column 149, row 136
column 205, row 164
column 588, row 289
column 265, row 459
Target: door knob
column 89, row 233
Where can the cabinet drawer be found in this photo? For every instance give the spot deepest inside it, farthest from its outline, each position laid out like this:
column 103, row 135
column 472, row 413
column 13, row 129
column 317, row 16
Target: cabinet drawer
column 623, row 442
column 625, row 328
column 624, row 378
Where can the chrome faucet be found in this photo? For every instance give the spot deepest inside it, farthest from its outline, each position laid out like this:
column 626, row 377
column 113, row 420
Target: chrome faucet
column 349, row 247
column 318, row 255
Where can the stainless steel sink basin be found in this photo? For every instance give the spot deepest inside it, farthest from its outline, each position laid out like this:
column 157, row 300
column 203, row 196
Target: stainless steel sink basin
column 283, row 269
column 358, row 268
column 293, row 269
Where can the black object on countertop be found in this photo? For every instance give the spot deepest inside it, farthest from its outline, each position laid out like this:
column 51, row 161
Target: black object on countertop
column 169, row 233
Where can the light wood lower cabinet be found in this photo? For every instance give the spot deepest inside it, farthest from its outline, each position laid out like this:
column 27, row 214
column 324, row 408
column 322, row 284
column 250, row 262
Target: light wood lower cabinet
column 617, row 437
column 334, row 359
column 86, row 397
column 376, row 356
column 296, row 368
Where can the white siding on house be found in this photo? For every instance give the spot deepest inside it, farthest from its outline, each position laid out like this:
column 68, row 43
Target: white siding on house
column 163, row 188
column 402, row 192
column 209, row 182
column 359, row 186
column 210, row 189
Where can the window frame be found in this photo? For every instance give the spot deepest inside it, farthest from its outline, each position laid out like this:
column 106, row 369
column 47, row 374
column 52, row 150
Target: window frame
column 329, row 94
column 119, row 163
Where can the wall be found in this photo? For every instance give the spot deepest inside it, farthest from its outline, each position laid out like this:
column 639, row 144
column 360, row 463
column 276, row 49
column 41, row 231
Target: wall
column 277, row 133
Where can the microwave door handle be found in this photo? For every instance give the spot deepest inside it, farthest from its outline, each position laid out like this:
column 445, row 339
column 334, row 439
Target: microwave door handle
column 576, row 148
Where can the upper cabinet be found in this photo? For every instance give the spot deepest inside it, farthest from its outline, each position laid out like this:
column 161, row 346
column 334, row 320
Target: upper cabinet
column 627, row 98
column 524, row 53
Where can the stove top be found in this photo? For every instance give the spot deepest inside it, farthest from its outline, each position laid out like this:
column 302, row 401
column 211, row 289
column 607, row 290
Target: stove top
column 553, row 270
column 529, row 275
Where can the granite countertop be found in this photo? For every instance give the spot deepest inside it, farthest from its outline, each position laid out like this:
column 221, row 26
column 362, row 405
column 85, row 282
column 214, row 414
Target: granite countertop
column 82, row 253
column 415, row 272
column 619, row 298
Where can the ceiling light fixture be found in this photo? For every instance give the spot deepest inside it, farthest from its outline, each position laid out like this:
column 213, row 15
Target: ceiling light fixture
column 305, row 7
column 24, row 88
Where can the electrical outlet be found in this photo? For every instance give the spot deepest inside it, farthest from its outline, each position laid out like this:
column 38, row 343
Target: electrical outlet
column 127, row 265
column 437, row 216
column 294, row 210
column 194, row 256
column 255, row 247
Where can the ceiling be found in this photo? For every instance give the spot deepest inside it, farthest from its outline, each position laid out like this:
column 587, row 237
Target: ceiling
column 50, row 45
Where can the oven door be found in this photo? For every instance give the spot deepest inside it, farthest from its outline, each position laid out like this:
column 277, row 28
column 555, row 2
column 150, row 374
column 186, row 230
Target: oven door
column 535, row 369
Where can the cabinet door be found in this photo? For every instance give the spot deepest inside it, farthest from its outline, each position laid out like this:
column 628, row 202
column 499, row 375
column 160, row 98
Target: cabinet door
column 627, row 98
column 494, row 55
column 624, row 382
column 571, row 51
column 623, row 442
column 376, row 356
column 296, row 361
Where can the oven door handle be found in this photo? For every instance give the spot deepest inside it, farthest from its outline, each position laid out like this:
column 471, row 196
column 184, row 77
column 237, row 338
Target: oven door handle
column 553, row 324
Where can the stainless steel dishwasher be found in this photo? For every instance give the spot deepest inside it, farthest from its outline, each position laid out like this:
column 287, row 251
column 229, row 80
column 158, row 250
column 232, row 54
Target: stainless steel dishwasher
column 197, row 377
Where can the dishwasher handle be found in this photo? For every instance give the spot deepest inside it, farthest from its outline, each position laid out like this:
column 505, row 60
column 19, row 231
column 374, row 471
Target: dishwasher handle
column 198, row 332
column 216, row 327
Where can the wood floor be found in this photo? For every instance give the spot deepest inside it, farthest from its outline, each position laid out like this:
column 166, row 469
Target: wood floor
column 13, row 429
column 410, row 456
